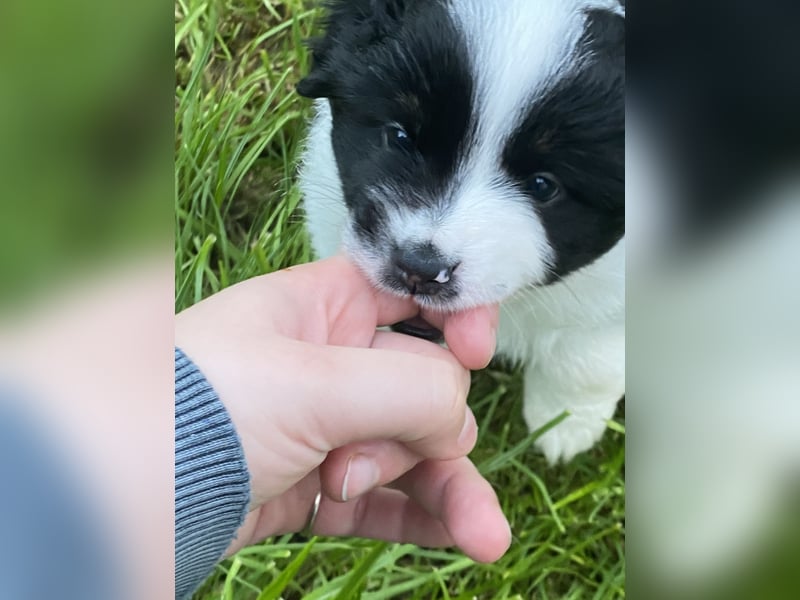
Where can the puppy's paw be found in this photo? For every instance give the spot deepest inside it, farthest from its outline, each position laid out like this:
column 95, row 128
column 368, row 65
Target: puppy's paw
column 578, row 432
column 573, row 435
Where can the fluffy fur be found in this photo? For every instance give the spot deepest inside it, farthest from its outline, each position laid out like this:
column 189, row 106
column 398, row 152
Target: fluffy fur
column 469, row 152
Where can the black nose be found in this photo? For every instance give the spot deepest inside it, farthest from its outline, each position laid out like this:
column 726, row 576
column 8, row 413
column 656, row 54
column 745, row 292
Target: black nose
column 423, row 270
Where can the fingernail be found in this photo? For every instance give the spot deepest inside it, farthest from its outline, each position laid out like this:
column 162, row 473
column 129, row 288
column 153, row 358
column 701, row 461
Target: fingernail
column 468, row 435
column 491, row 328
column 494, row 324
column 493, row 347
column 361, row 476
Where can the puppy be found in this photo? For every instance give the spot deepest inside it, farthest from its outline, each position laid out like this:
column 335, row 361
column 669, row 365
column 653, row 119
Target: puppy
column 472, row 151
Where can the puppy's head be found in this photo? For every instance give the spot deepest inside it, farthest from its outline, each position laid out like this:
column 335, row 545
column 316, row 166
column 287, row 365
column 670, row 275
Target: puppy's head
column 480, row 145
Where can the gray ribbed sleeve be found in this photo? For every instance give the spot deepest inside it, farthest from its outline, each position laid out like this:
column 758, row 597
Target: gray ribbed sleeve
column 212, row 489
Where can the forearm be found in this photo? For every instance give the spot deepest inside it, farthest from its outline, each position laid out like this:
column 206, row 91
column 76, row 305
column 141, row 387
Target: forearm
column 211, row 481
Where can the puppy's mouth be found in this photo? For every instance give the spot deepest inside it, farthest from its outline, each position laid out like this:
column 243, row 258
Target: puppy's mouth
column 419, row 327
column 439, row 291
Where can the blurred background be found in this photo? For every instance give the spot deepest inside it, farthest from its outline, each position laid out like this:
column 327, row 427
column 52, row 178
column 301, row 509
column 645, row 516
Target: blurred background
column 713, row 330
column 86, row 298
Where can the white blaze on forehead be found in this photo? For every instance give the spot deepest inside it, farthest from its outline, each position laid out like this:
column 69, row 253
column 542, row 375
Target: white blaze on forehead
column 518, row 49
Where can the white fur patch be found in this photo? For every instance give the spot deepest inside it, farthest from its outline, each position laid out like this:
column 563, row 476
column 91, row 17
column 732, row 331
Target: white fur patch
column 326, row 213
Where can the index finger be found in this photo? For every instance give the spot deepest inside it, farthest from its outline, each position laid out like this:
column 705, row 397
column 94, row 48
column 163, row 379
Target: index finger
column 361, row 394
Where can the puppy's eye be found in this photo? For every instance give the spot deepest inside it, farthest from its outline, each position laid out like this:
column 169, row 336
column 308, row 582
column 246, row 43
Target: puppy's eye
column 394, row 136
column 543, row 187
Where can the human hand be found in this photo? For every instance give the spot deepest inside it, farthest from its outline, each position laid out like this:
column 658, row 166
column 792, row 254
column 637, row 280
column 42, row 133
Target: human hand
column 321, row 400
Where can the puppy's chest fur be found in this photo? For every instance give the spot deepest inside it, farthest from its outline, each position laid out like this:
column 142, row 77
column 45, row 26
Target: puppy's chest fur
column 469, row 152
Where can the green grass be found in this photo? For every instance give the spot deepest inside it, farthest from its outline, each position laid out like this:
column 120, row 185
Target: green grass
column 239, row 126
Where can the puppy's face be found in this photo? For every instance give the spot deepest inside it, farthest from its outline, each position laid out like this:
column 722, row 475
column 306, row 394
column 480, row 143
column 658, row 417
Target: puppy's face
column 480, row 145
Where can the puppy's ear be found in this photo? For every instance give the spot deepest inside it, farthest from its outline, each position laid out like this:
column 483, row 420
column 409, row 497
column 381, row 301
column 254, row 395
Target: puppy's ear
column 350, row 26
column 317, row 84
column 604, row 35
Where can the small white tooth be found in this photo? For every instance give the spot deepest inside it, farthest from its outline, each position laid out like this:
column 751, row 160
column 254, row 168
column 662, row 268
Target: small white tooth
column 443, row 276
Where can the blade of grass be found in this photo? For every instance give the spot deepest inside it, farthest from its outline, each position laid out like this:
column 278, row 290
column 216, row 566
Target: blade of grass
column 274, row 590
column 357, row 578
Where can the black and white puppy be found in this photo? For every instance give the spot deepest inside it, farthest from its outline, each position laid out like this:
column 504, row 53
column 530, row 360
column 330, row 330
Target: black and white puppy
column 472, row 151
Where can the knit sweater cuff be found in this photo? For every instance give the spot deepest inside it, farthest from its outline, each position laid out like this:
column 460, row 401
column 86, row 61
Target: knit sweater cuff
column 212, row 489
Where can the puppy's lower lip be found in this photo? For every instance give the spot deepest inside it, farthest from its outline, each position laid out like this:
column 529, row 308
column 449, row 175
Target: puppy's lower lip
column 420, row 328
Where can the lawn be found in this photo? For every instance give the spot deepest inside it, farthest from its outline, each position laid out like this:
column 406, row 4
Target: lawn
column 238, row 213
